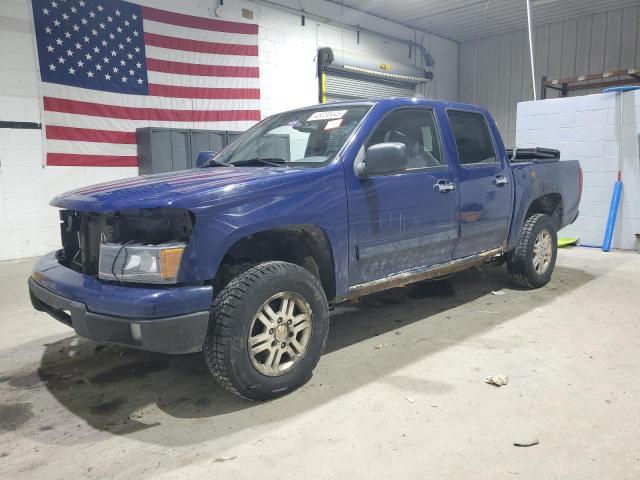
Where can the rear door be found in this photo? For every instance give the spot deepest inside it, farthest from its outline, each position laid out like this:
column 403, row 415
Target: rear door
column 402, row 221
column 484, row 181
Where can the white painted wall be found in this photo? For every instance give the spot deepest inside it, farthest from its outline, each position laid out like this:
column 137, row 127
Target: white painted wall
column 587, row 128
column 28, row 226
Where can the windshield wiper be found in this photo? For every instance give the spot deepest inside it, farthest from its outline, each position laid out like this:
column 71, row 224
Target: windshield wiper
column 276, row 162
column 217, row 163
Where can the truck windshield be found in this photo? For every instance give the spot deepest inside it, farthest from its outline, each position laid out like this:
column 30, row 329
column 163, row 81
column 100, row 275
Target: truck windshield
column 305, row 138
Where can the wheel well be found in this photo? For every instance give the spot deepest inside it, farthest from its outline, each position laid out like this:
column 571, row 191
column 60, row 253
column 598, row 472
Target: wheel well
column 549, row 204
column 304, row 245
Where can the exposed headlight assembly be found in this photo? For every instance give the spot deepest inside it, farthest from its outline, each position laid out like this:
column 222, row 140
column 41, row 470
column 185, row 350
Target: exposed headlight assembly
column 140, row 263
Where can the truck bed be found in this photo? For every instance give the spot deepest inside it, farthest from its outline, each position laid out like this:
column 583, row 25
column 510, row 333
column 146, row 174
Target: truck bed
column 535, row 178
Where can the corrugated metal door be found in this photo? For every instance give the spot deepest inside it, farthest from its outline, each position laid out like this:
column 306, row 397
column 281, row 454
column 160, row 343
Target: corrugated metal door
column 340, row 85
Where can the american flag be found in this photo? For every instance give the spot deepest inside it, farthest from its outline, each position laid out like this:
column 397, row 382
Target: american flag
column 108, row 67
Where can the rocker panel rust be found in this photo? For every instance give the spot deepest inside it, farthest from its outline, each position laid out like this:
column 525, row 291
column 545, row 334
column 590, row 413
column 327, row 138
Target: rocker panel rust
column 424, row 273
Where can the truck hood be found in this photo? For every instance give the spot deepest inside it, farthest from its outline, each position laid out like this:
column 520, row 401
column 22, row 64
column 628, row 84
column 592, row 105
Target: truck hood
column 185, row 189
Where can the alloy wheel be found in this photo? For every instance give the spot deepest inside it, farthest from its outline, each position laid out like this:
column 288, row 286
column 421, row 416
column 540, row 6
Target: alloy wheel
column 542, row 251
column 279, row 334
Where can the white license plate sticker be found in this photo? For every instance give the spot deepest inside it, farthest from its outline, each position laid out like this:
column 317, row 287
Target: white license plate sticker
column 333, row 124
column 326, row 115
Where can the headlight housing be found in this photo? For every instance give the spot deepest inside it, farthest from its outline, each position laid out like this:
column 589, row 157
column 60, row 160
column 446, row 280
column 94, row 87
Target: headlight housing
column 140, row 263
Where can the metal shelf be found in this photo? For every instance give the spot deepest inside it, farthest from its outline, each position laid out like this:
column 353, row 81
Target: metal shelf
column 630, row 76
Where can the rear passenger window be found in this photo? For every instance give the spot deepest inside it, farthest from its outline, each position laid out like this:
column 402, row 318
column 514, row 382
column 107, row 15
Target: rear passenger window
column 416, row 128
column 472, row 138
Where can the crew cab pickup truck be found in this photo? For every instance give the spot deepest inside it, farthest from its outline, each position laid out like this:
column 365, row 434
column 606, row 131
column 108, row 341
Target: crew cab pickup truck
column 241, row 257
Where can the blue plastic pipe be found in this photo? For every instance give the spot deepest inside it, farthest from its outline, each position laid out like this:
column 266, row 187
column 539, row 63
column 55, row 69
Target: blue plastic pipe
column 613, row 213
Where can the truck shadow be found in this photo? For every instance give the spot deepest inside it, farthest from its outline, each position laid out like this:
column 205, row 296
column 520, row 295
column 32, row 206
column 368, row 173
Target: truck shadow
column 152, row 397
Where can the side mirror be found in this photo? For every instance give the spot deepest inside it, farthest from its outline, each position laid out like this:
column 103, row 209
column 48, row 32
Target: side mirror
column 204, row 157
column 382, row 159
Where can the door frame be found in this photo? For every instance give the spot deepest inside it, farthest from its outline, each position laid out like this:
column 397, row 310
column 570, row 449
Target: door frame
column 501, row 163
column 449, row 166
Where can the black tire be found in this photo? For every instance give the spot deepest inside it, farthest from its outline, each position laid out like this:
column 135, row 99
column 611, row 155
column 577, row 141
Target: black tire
column 226, row 347
column 520, row 261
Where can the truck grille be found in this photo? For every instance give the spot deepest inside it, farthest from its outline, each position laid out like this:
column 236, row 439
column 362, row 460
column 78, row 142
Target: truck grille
column 82, row 233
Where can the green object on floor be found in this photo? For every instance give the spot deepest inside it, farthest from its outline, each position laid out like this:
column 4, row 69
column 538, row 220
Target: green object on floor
column 565, row 242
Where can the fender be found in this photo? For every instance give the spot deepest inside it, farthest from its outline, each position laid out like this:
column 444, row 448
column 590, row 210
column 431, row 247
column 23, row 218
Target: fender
column 318, row 202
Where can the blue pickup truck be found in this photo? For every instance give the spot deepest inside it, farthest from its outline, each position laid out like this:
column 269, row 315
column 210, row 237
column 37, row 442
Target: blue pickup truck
column 242, row 256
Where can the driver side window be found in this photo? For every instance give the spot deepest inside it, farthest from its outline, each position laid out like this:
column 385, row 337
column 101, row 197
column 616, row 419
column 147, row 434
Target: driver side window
column 416, row 128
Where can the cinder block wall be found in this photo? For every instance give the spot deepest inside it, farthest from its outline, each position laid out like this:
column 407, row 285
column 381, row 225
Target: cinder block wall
column 592, row 130
column 28, row 226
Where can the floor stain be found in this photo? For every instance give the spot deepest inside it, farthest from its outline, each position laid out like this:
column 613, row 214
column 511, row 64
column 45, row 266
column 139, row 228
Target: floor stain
column 15, row 415
column 137, row 370
column 26, row 380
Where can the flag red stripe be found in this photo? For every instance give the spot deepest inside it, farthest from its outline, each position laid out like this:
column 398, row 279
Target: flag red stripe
column 55, row 132
column 79, row 160
column 190, row 21
column 167, row 66
column 163, row 41
column 202, row 92
column 136, row 113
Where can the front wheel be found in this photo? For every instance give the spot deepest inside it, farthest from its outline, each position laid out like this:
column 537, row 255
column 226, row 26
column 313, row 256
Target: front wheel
column 532, row 261
column 267, row 331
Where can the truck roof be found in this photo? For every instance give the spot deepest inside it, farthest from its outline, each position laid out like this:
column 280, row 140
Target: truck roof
column 401, row 101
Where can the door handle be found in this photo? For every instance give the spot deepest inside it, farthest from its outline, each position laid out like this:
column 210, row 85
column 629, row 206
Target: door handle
column 444, row 186
column 500, row 180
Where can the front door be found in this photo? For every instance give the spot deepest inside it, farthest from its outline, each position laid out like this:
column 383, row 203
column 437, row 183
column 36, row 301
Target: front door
column 484, row 181
column 403, row 220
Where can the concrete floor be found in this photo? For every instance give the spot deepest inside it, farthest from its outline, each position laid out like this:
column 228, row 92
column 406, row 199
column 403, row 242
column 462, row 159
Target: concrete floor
column 399, row 393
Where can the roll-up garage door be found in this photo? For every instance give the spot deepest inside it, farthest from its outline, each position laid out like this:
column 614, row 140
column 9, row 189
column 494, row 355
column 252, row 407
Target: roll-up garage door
column 341, row 85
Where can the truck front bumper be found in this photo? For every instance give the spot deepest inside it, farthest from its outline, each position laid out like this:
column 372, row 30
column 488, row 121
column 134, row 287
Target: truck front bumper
column 161, row 319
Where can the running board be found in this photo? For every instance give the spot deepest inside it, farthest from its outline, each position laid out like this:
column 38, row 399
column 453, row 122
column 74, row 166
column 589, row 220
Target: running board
column 424, row 273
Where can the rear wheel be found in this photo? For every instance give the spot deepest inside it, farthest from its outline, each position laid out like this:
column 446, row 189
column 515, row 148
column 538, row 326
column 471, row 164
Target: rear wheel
column 532, row 261
column 267, row 331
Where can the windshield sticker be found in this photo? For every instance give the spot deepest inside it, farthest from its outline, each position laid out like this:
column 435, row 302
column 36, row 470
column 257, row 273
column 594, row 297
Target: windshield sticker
column 333, row 124
column 326, row 115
